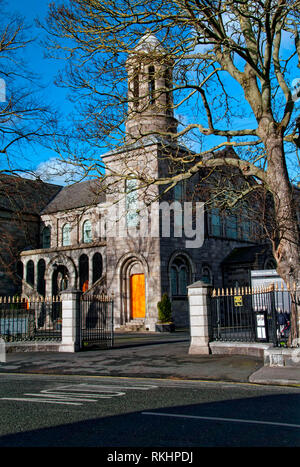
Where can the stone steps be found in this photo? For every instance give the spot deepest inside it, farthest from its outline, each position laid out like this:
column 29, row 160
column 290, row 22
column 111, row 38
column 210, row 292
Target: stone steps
column 132, row 326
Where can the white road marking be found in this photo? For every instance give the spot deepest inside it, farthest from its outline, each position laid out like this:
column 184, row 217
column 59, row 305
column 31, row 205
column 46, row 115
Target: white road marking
column 219, row 419
column 63, row 396
column 76, row 394
column 46, row 401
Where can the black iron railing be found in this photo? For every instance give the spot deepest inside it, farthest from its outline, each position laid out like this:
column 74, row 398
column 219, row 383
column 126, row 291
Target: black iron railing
column 34, row 319
column 251, row 315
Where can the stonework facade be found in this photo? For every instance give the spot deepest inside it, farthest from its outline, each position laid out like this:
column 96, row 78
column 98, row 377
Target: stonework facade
column 100, row 240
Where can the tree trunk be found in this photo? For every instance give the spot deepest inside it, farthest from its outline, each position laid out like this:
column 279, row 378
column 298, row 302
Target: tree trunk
column 285, row 239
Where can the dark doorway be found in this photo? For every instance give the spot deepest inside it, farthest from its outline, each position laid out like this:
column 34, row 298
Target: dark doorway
column 60, row 279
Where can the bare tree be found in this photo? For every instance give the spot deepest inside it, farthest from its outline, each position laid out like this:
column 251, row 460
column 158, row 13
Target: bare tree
column 234, row 72
column 24, row 118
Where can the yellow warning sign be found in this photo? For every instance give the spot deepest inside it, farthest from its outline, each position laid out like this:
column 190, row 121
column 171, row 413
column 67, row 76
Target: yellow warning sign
column 238, row 300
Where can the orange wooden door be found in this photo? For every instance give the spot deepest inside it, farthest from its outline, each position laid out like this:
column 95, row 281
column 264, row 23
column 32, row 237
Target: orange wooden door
column 137, row 296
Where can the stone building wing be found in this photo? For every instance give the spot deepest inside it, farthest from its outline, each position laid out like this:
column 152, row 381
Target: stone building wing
column 78, row 195
column 24, row 195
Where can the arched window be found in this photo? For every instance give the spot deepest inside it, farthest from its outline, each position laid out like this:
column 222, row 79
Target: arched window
column 97, row 267
column 46, row 237
column 168, row 94
column 180, row 276
column 136, row 90
column 132, row 217
column 30, row 272
column 83, row 272
column 87, row 232
column 215, row 222
column 151, row 84
column 41, row 277
column 206, row 275
column 66, row 235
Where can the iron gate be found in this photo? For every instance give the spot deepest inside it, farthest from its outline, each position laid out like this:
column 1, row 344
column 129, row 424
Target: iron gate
column 96, row 321
column 251, row 315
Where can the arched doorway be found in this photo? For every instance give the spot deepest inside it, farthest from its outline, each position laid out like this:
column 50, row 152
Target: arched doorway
column 137, row 296
column 133, row 289
column 41, row 286
column 97, row 267
column 30, row 273
column 60, row 279
column 60, row 274
column 84, row 273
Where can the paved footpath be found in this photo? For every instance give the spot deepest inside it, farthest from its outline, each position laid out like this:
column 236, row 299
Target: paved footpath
column 151, row 356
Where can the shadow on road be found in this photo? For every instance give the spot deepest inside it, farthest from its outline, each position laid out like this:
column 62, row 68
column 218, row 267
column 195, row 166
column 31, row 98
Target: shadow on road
column 140, row 429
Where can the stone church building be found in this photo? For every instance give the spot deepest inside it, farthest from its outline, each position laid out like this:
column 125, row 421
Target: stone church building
column 104, row 235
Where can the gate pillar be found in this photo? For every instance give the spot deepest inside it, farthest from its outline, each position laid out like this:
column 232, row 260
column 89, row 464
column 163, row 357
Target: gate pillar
column 70, row 341
column 198, row 294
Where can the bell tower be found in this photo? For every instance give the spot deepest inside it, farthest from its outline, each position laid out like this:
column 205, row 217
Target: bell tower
column 150, row 102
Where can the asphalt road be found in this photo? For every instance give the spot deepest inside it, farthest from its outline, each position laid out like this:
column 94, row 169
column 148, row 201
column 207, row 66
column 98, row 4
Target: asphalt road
column 56, row 411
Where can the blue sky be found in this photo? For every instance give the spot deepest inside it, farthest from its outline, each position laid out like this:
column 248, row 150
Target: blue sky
column 47, row 69
column 33, row 156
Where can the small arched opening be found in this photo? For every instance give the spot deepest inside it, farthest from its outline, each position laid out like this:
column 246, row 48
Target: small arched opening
column 97, row 267
column 30, row 273
column 41, row 286
column 84, row 273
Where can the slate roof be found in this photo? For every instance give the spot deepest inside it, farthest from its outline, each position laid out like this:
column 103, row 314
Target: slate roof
column 23, row 195
column 74, row 196
column 246, row 254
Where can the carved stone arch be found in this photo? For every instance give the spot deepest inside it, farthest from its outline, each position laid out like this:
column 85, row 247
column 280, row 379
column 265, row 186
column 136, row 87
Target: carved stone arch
column 62, row 260
column 128, row 265
column 130, row 257
column 190, row 264
column 188, row 259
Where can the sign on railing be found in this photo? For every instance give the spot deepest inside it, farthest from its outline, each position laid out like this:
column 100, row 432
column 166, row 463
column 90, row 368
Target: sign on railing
column 251, row 314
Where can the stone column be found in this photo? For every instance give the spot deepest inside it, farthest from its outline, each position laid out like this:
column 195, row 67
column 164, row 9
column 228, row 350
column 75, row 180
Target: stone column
column 70, row 320
column 2, row 351
column 198, row 294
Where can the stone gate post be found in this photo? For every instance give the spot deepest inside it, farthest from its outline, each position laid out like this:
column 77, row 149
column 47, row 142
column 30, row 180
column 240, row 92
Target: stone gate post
column 70, row 341
column 198, row 294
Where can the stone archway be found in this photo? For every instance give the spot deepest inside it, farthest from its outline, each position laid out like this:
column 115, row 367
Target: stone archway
column 61, row 273
column 133, row 274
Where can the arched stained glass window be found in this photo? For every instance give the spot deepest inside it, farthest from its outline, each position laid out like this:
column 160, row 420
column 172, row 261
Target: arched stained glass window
column 132, row 217
column 87, row 232
column 206, row 275
column 180, row 276
column 46, row 237
column 174, row 278
column 182, row 280
column 66, row 235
